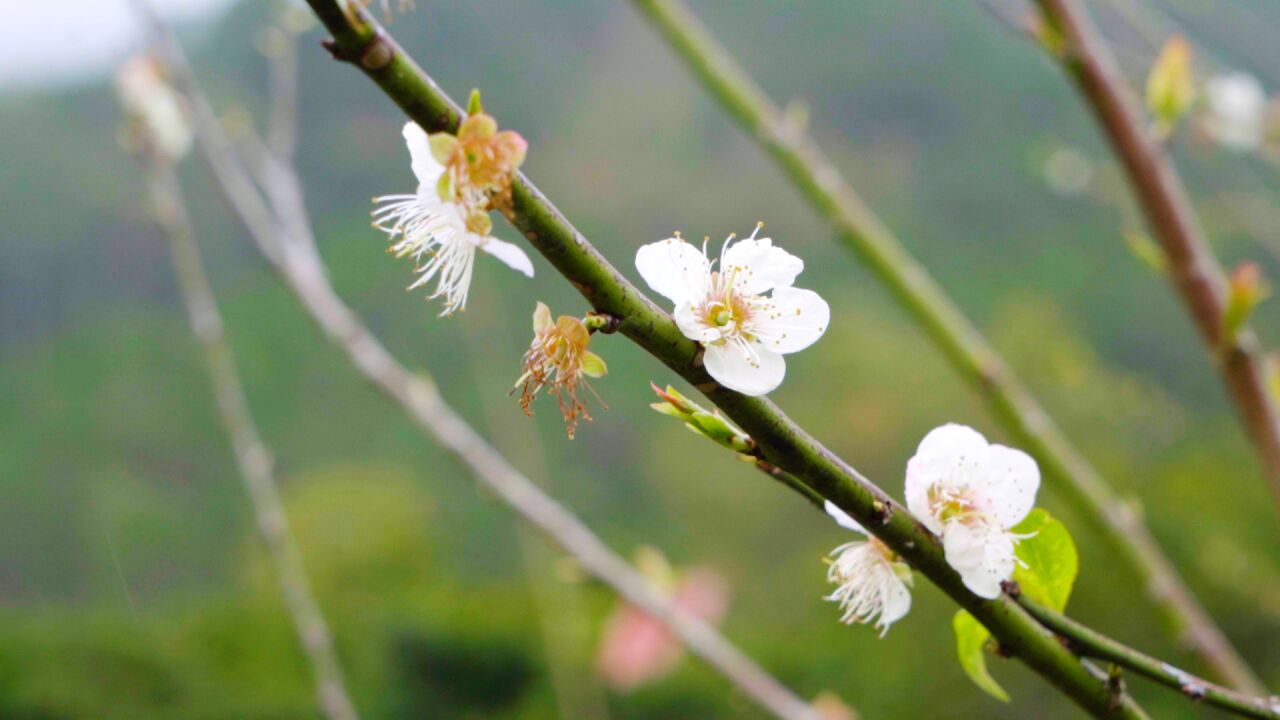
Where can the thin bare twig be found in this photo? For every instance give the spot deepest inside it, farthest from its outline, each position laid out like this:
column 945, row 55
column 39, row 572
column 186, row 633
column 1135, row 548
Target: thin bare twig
column 252, row 456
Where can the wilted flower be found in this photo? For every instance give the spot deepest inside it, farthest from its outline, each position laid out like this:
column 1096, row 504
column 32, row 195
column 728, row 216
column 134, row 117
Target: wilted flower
column 745, row 332
column 1237, row 110
column 638, row 648
column 971, row 493
column 156, row 111
column 558, row 358
column 873, row 582
column 480, row 162
column 442, row 224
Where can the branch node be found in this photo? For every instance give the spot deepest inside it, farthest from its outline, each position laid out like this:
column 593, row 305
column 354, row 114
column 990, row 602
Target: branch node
column 1115, row 686
column 602, row 322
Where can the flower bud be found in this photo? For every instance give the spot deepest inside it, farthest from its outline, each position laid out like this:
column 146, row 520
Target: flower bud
column 1170, row 90
column 710, row 425
column 1246, row 290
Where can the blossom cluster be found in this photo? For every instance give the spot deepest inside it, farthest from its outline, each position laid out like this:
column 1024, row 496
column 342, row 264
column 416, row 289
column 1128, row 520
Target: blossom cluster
column 971, row 494
column 460, row 178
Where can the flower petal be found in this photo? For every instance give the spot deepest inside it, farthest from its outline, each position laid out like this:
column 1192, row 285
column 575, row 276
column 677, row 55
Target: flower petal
column 1008, row 480
column 674, row 269
column 694, row 327
column 895, row 602
column 508, row 253
column 760, row 266
column 425, row 166
column 982, row 553
column 946, row 457
column 754, row 375
column 793, row 321
column 842, row 518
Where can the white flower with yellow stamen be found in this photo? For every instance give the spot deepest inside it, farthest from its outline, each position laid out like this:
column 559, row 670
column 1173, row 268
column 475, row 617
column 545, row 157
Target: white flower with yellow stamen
column 744, row 331
column 873, row 583
column 440, row 234
column 970, row 493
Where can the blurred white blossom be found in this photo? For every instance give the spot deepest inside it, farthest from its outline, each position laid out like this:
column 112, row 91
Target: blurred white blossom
column 1068, row 172
column 1237, row 107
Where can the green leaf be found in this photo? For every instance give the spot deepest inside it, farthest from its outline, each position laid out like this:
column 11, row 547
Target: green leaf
column 971, row 641
column 1049, row 562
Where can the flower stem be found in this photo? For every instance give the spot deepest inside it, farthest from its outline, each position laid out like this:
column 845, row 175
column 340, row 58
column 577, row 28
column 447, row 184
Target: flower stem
column 782, row 442
column 858, row 228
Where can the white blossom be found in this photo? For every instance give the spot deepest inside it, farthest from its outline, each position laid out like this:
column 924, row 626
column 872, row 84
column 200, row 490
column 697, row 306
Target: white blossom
column 1237, row 110
column 872, row 582
column 744, row 331
column 434, row 231
column 971, row 493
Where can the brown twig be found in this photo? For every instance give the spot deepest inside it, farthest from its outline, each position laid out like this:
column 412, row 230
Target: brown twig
column 1196, row 275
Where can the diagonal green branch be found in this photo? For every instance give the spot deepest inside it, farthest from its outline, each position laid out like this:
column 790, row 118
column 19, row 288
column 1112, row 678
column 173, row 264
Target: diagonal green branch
column 1194, row 271
column 1091, row 643
column 279, row 226
column 358, row 39
column 858, row 228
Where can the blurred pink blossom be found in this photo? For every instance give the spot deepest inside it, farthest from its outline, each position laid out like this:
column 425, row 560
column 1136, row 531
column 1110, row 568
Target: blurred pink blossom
column 637, row 648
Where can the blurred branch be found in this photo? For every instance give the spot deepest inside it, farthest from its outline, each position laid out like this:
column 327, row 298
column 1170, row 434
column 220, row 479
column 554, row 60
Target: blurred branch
column 358, row 39
column 858, row 228
column 283, row 235
column 1196, row 274
column 282, row 123
column 1094, row 644
column 252, row 455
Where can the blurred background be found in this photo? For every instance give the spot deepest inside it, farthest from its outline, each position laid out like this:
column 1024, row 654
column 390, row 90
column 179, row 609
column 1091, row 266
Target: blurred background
column 132, row 584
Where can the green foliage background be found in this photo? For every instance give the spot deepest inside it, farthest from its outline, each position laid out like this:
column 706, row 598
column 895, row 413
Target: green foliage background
column 131, row 584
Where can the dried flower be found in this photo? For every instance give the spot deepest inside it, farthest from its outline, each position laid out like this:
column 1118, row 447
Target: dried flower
column 480, row 162
column 558, row 359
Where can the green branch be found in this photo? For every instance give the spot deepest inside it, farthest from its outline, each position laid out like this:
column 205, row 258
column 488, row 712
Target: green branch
column 1091, row 643
column 858, row 228
column 782, row 442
